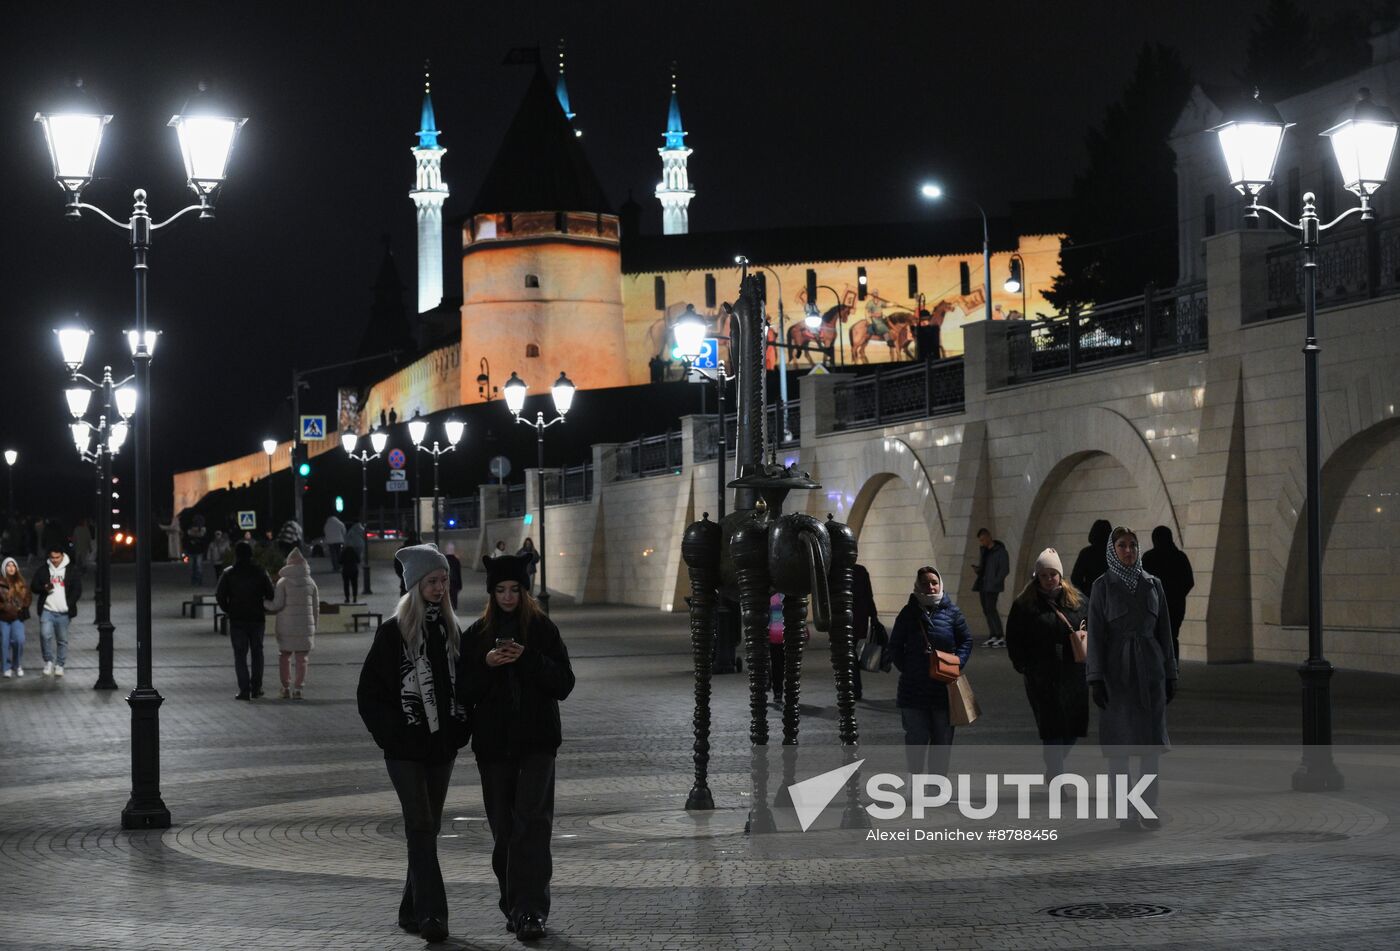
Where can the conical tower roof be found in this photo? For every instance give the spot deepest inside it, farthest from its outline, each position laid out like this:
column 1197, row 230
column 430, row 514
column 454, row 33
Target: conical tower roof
column 540, row 165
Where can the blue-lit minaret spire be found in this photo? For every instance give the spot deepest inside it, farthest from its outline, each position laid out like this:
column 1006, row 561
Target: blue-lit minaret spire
column 428, row 194
column 674, row 191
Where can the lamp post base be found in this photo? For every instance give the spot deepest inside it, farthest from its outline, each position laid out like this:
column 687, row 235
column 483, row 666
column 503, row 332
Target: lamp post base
column 105, row 681
column 145, row 809
column 1317, row 772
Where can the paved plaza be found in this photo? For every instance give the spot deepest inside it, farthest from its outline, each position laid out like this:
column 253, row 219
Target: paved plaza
column 287, row 835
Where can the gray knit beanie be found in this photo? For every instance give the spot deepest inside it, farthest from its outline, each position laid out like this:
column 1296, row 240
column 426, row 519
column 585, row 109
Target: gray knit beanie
column 418, row 562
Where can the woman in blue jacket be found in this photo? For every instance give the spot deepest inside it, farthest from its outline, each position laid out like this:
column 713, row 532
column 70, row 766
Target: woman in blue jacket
column 929, row 622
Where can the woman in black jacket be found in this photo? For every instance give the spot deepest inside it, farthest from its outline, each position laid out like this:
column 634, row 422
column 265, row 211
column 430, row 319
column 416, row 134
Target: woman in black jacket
column 411, row 699
column 517, row 670
column 1044, row 620
column 929, row 622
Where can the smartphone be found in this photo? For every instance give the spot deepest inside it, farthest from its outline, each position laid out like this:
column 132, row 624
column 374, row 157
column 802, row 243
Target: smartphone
column 504, row 642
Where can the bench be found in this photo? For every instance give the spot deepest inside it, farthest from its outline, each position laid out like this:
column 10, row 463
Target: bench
column 378, row 619
column 192, row 607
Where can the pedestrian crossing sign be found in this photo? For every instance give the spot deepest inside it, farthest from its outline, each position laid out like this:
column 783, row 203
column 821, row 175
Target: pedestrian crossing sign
column 313, row 428
column 247, row 521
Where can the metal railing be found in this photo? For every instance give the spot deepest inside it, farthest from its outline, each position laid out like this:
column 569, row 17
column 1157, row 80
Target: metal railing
column 573, row 484
column 650, row 456
column 1357, row 263
column 707, row 430
column 463, row 513
column 511, row 502
column 932, row 388
column 1158, row 324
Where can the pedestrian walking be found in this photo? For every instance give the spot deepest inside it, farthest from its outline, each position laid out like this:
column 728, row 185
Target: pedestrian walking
column 296, row 602
column 334, row 537
column 1169, row 565
column 289, row 536
column 991, row 571
column 1131, row 669
column 1091, row 564
column 864, row 615
column 1042, row 627
column 350, row 572
column 499, row 550
column 454, row 573
column 242, row 591
column 517, row 670
column 196, row 544
column 15, row 599
column 410, row 697
column 529, row 552
column 219, row 548
column 57, row 585
column 930, row 621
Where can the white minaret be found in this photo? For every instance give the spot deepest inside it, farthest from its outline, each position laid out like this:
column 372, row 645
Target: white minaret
column 674, row 191
column 428, row 194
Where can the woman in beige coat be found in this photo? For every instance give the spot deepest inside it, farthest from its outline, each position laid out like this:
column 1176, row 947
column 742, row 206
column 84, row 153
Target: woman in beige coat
column 296, row 602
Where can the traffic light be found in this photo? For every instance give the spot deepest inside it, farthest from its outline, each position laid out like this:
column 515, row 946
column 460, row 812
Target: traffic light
column 304, row 469
column 339, row 504
column 964, row 278
column 301, row 466
column 862, row 282
column 913, row 280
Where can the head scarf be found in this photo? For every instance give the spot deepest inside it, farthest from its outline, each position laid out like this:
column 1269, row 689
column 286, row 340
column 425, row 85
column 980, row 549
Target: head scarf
column 1127, row 575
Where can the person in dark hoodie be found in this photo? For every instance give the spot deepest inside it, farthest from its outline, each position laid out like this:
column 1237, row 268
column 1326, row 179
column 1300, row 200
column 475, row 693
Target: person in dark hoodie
column 929, row 622
column 1170, row 566
column 991, row 570
column 411, row 699
column 243, row 587
column 1093, row 558
column 517, row 669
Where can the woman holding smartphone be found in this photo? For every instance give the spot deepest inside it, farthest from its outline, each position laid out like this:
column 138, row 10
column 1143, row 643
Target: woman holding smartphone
column 411, row 699
column 1046, row 620
column 516, row 670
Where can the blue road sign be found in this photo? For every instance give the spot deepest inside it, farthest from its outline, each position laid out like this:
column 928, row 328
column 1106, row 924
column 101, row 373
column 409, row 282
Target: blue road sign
column 396, row 459
column 247, row 521
column 709, row 355
column 313, row 428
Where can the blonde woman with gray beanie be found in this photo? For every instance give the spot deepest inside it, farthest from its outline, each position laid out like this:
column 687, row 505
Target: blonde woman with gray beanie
column 411, row 701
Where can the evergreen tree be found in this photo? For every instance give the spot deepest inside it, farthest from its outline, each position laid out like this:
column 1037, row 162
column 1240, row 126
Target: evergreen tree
column 1123, row 231
column 1290, row 52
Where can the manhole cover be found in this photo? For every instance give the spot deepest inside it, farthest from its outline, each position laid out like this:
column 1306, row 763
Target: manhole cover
column 1109, row 909
column 1296, row 838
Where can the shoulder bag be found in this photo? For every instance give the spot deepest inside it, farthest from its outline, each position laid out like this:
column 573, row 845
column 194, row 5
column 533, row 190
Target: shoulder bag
column 1078, row 638
column 942, row 666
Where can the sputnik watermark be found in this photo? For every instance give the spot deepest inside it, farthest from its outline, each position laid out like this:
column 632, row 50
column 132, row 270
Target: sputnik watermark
column 931, row 791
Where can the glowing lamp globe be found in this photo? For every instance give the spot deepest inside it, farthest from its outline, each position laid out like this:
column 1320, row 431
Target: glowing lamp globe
column 689, row 332
column 73, row 130
column 514, row 390
column 207, row 132
column 269, row 446
column 78, row 398
column 417, row 429
column 348, row 441
column 1363, row 145
column 126, row 401
column 1250, row 141
column 73, row 342
column 563, row 393
column 455, row 428
column 378, row 441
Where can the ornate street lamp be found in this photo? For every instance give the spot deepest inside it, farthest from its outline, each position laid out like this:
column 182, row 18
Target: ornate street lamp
column 1362, row 143
column 111, row 432
column 206, row 132
column 562, row 391
column 269, row 446
column 11, row 457
column 934, row 192
column 418, row 431
column 378, row 441
column 1016, row 282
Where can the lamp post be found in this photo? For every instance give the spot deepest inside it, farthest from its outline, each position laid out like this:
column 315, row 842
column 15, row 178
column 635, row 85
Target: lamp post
column 840, row 335
column 270, row 447
column 417, row 430
column 563, row 394
column 782, row 347
column 110, row 437
column 11, row 457
column 1362, row 143
column 378, row 440
column 206, row 134
column 1016, row 281
column 933, row 193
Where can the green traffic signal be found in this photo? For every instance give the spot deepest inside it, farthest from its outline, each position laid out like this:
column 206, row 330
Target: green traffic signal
column 304, row 469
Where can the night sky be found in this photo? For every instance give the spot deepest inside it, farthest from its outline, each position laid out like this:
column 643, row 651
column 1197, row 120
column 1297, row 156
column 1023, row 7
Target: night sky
column 799, row 113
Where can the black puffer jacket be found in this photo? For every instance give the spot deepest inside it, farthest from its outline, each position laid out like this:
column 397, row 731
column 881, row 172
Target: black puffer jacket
column 381, row 707
column 516, row 706
column 1039, row 645
column 242, row 589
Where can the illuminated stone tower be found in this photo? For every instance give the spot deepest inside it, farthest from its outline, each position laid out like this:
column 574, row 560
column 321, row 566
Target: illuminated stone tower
column 428, row 195
column 561, row 91
column 674, row 191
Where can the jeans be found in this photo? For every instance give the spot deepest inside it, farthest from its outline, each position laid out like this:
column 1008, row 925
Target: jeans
column 333, row 551
column 352, row 586
column 989, row 609
column 928, row 739
column 54, row 625
column 11, row 638
column 247, row 636
column 422, row 789
column 196, row 568
column 519, row 798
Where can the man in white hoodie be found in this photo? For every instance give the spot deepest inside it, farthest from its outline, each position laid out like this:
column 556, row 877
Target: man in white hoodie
column 57, row 586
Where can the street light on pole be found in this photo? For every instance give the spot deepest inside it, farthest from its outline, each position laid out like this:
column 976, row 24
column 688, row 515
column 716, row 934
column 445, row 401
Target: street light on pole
column 11, row 457
column 934, row 192
column 378, row 441
column 270, row 447
column 1362, row 144
column 111, row 434
column 417, row 431
column 562, row 392
column 206, row 135
column 1016, row 281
